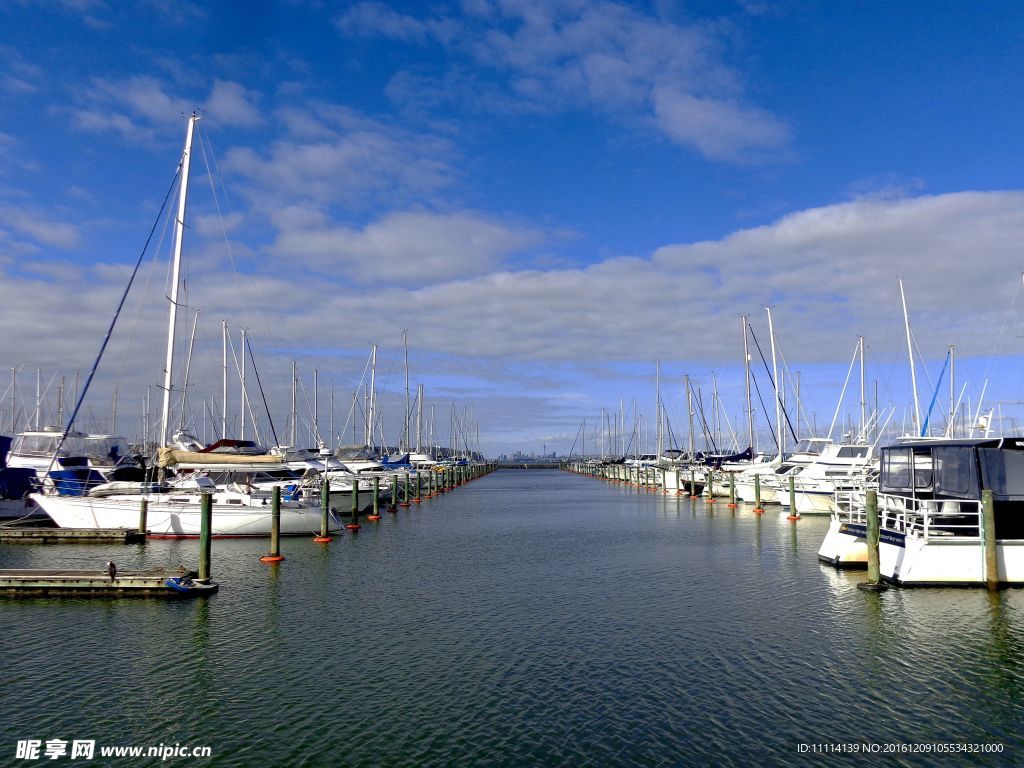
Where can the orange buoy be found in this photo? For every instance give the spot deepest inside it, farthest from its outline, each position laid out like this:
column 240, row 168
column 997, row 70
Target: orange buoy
column 321, row 539
column 272, row 558
column 353, row 526
column 373, row 517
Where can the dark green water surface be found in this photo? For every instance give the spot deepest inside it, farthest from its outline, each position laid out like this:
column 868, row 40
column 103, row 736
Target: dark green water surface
column 530, row 618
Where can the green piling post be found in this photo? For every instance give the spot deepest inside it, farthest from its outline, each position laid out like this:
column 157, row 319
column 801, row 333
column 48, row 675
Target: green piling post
column 143, row 513
column 793, row 514
column 393, row 506
column 988, row 537
column 416, row 488
column 757, row 495
column 874, row 582
column 732, row 489
column 354, row 525
column 325, row 508
column 275, row 527
column 376, row 497
column 205, row 528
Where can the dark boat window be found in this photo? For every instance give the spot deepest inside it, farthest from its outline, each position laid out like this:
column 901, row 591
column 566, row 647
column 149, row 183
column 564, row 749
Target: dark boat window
column 955, row 473
column 853, row 452
column 895, row 470
column 1003, row 471
column 922, row 468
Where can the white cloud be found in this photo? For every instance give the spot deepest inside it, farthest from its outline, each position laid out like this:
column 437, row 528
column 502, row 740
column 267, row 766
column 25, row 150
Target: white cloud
column 719, row 130
column 410, row 247
column 608, row 56
column 233, row 105
column 829, row 272
column 42, row 229
column 140, row 107
column 332, row 155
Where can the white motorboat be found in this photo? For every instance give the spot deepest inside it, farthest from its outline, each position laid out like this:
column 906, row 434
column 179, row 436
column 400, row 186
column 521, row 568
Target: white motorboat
column 931, row 527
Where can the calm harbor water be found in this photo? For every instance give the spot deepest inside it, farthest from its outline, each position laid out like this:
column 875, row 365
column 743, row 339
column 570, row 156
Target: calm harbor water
column 530, row 618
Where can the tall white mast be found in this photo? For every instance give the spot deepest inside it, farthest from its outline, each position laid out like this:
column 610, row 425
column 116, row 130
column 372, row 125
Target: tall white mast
column 689, row 410
column 419, row 418
column 293, row 437
column 405, row 433
column 373, row 394
column 913, row 370
column 188, row 367
column 863, row 394
column 746, row 380
column 179, row 233
column 245, row 401
column 316, row 406
column 778, row 392
column 660, row 438
column 224, row 379
column 952, row 390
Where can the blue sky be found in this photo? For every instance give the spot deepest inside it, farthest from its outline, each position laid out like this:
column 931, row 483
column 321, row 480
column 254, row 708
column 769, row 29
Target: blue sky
column 550, row 198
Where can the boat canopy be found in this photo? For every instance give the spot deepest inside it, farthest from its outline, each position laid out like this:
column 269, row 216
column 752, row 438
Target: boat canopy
column 169, row 457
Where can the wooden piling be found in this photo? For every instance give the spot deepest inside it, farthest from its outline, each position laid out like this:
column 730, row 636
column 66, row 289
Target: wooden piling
column 405, row 490
column 758, row 509
column 275, row 527
column 874, row 582
column 988, row 538
column 793, row 514
column 732, row 490
column 376, row 500
column 143, row 514
column 325, row 510
column 205, row 528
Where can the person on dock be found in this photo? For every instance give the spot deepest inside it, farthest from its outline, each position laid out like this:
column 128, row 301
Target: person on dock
column 111, row 569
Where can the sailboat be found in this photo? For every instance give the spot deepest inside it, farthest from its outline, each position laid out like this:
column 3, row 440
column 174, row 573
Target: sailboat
column 173, row 505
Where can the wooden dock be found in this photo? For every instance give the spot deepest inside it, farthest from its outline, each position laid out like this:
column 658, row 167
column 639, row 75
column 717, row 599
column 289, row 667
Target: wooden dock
column 53, row 583
column 39, row 535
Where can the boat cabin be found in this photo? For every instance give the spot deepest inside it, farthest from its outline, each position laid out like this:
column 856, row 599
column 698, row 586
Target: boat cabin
column 947, row 478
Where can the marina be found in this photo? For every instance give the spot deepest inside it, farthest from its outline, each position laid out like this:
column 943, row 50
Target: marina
column 512, row 383
column 530, row 618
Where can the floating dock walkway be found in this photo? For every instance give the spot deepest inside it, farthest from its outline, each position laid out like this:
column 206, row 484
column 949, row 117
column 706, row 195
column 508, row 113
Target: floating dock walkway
column 52, row 583
column 39, row 535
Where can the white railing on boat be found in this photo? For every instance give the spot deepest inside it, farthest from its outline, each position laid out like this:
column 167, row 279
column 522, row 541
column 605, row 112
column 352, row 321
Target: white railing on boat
column 924, row 518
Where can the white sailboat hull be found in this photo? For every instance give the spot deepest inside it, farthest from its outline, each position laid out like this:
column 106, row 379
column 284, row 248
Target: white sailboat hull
column 169, row 518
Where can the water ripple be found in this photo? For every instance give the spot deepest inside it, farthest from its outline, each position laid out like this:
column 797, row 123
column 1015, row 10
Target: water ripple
column 527, row 619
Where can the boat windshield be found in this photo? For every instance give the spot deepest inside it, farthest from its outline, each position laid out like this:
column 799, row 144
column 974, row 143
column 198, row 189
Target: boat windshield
column 44, row 444
column 106, row 448
column 905, row 469
column 955, row 472
column 812, row 445
column 853, row 452
column 1003, row 472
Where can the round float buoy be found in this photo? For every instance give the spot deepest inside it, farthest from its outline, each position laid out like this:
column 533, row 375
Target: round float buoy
column 353, row 526
column 321, row 539
column 272, row 558
column 373, row 517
